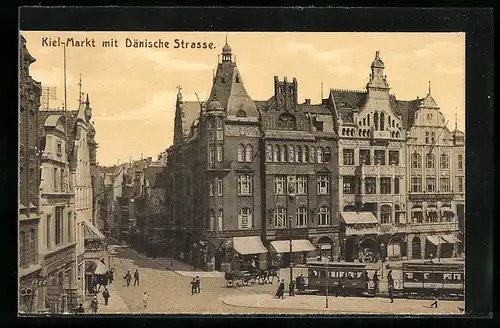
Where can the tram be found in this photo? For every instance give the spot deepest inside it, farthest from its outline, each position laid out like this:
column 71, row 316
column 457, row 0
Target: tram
column 351, row 276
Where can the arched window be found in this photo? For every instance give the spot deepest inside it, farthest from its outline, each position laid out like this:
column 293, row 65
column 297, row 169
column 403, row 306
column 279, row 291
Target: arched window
column 211, row 154
column 283, row 154
column 415, row 161
column 276, row 154
column 385, row 214
column 291, row 154
column 220, row 220
column 32, row 246
column 427, row 137
column 393, row 123
column 430, row 161
column 305, row 154
column 219, row 153
column 375, row 120
column 241, row 113
column 245, row 218
column 320, row 155
column 269, row 153
column 249, row 154
column 212, row 226
column 388, row 121
column 22, row 248
column 298, row 154
column 312, row 155
column 444, row 161
column 460, row 162
column 433, row 138
column 368, row 119
column 241, row 153
column 287, row 121
column 327, row 155
column 382, row 121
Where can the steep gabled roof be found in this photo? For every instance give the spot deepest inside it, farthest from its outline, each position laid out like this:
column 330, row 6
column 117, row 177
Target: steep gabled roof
column 347, row 101
column 407, row 109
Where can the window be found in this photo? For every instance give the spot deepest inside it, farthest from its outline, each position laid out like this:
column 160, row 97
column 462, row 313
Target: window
column 433, row 137
column 370, row 185
column 276, row 153
column 218, row 121
column 305, row 154
column 444, row 161
column 368, row 119
column 298, row 154
column 59, row 148
column 431, row 184
column 70, row 227
column 385, row 214
column 279, row 217
column 415, row 161
column 287, row 121
column 211, row 188
column 219, row 153
column 460, row 184
column 55, row 179
column 245, row 218
column 301, row 217
column 241, row 113
column 323, row 185
column 430, row 161
column 327, row 155
column 349, row 185
column 244, row 184
column 324, row 216
column 319, row 126
column 220, row 186
column 279, row 184
column 364, row 156
column 444, row 184
column 212, row 220
column 385, row 185
column 380, row 157
column 364, row 121
column 291, row 154
column 22, row 248
column 427, row 137
column 320, row 155
column 269, row 153
column 220, row 220
column 49, row 231
column 348, row 156
column 31, row 258
column 58, row 225
column 249, row 154
column 416, row 184
column 382, row 122
column 211, row 155
column 283, row 154
column 394, row 157
column 241, row 154
column 375, row 120
column 396, row 186
column 301, row 187
column 460, row 162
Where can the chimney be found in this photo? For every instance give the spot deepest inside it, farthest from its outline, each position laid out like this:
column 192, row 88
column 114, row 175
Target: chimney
column 308, row 101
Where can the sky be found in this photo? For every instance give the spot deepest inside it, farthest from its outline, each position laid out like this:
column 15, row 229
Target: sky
column 132, row 91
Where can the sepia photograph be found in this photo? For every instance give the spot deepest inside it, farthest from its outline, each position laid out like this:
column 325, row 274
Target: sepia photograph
column 229, row 173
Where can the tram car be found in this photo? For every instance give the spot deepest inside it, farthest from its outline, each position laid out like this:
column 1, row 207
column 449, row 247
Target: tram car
column 442, row 280
column 350, row 275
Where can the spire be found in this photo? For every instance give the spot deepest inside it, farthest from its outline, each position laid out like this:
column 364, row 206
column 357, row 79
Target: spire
column 378, row 80
column 87, row 102
column 226, row 52
column 179, row 113
column 80, row 90
column 179, row 94
column 226, row 39
column 429, row 87
column 456, row 126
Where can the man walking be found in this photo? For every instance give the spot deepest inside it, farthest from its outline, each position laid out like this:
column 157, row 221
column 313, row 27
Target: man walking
column 193, row 286
column 291, row 288
column 375, row 283
column 145, row 299
column 128, row 277
column 434, row 294
column 106, row 295
column 198, row 283
column 280, row 293
column 136, row 277
column 390, row 285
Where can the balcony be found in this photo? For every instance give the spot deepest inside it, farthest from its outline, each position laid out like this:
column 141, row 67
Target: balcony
column 231, row 233
column 392, row 228
column 220, row 166
column 431, row 227
column 355, row 230
column 374, row 198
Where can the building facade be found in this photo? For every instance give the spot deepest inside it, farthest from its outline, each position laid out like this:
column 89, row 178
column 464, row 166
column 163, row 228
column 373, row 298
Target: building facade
column 436, row 182
column 29, row 268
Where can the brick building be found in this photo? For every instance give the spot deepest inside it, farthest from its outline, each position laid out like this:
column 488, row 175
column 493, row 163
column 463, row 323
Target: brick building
column 29, row 181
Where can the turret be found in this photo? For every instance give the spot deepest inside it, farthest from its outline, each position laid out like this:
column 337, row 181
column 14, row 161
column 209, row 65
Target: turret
column 179, row 113
column 88, row 109
column 378, row 80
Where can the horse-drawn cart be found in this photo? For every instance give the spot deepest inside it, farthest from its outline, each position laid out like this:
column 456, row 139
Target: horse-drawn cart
column 240, row 278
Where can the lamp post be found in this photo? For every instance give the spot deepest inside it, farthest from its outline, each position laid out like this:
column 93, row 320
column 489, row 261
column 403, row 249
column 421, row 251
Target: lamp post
column 291, row 194
column 344, row 250
column 326, row 282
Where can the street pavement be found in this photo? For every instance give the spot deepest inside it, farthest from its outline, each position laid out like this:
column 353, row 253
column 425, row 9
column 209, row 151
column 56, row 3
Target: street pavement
column 170, row 293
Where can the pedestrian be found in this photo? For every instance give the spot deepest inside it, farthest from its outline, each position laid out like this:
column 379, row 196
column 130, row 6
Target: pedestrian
column 128, row 277
column 375, row 283
column 193, row 286
column 80, row 309
column 106, row 295
column 281, row 289
column 198, row 283
column 94, row 304
column 145, row 299
column 136, row 277
column 367, row 281
column 340, row 289
column 390, row 279
column 111, row 275
column 291, row 288
column 391, row 292
column 434, row 294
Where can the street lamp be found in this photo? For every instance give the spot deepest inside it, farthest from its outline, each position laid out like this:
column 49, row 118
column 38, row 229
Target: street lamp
column 326, row 282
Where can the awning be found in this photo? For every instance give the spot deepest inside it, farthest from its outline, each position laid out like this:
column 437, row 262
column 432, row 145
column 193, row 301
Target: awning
column 447, row 210
column 451, row 239
column 92, row 232
column 248, row 245
column 96, row 267
column 298, row 245
column 436, row 240
column 358, row 217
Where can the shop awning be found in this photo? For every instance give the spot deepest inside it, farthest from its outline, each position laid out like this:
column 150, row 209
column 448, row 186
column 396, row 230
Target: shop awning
column 358, row 217
column 451, row 239
column 298, row 245
column 96, row 267
column 248, row 245
column 92, row 232
column 436, row 240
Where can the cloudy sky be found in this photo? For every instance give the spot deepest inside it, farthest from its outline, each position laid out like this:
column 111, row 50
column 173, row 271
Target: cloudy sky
column 132, row 90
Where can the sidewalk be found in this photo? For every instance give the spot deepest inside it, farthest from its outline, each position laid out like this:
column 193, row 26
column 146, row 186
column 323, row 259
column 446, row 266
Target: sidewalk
column 116, row 304
column 346, row 305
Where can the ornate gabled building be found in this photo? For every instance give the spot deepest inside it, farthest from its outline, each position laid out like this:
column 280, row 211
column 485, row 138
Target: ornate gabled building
column 436, row 181
column 29, row 180
column 372, row 161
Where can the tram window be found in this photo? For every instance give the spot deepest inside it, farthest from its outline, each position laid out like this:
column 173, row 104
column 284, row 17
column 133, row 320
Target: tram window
column 427, row 276
column 350, row 275
column 418, row 276
column 314, row 273
column 359, row 274
column 457, row 276
column 341, row 274
column 409, row 275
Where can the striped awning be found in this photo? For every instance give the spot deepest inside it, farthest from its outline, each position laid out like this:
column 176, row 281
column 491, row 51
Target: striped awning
column 450, row 239
column 298, row 245
column 436, row 240
column 91, row 232
column 249, row 245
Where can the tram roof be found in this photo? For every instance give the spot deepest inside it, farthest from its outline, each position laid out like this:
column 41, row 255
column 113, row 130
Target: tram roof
column 336, row 264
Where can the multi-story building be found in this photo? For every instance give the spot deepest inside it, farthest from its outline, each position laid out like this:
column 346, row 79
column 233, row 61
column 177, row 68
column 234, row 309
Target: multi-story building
column 57, row 225
column 436, row 181
column 247, row 173
column 29, row 180
column 371, row 161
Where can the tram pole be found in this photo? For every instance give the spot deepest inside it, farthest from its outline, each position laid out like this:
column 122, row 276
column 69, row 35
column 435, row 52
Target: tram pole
column 326, row 283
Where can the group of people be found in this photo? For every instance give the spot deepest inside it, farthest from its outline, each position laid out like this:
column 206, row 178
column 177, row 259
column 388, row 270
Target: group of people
column 195, row 286
column 376, row 282
column 128, row 277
